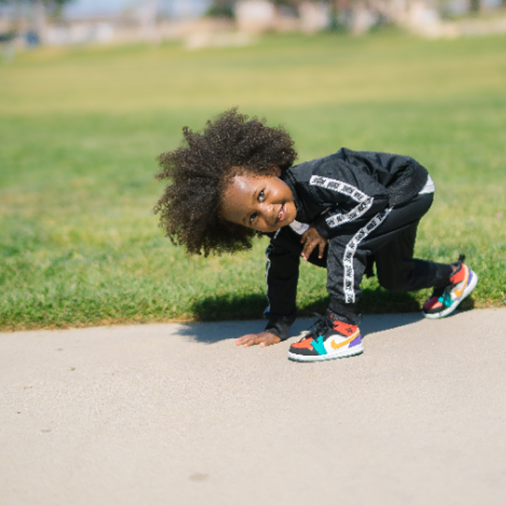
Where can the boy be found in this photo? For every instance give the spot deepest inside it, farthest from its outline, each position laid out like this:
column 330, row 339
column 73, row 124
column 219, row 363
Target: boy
column 343, row 212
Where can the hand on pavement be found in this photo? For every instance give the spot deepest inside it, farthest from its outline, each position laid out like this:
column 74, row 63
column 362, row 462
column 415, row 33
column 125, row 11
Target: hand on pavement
column 263, row 339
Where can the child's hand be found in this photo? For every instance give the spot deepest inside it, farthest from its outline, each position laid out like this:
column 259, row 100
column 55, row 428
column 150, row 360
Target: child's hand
column 311, row 238
column 263, row 339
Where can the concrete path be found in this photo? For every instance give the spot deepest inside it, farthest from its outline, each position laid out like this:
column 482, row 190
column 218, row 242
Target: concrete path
column 178, row 415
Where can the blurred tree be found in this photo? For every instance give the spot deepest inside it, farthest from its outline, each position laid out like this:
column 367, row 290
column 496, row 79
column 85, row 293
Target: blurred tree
column 39, row 11
column 475, row 5
column 222, row 8
column 53, row 6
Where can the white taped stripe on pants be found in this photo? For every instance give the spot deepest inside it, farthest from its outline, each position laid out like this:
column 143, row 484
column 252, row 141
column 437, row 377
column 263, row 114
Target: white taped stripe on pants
column 351, row 248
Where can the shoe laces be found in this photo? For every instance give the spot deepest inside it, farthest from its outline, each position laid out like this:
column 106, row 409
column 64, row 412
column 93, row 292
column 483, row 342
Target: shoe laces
column 320, row 325
column 323, row 323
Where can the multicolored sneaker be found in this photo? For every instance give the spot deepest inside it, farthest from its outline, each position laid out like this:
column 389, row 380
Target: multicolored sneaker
column 328, row 338
column 444, row 301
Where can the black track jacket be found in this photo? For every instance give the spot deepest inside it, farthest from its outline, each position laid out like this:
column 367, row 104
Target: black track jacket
column 332, row 193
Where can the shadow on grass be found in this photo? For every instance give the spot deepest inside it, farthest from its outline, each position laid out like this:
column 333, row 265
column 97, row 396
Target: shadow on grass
column 251, row 306
column 393, row 310
column 229, row 307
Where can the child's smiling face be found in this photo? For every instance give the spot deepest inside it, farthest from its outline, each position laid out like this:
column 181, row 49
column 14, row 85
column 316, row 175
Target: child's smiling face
column 263, row 203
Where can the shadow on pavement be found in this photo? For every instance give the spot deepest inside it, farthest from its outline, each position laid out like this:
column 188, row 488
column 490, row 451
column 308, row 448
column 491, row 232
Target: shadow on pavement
column 213, row 332
column 379, row 323
column 229, row 316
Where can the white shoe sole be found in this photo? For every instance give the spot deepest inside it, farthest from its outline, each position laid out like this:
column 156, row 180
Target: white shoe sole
column 349, row 352
column 469, row 288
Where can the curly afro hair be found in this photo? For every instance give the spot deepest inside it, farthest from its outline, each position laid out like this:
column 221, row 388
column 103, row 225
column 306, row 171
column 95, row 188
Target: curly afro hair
column 200, row 170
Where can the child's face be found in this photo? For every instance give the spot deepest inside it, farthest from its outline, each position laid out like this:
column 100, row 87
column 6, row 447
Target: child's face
column 263, row 203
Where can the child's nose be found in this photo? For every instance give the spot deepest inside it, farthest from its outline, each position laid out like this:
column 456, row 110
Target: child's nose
column 265, row 208
column 267, row 211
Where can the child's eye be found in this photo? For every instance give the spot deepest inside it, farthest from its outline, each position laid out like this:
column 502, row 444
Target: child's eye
column 261, row 195
column 252, row 218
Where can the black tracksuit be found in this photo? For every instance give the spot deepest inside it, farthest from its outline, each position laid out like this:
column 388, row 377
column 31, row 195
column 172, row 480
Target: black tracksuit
column 368, row 206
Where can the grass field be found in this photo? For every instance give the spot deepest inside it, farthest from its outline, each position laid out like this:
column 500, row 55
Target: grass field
column 80, row 131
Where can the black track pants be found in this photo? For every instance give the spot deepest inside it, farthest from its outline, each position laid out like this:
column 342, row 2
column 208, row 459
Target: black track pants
column 389, row 240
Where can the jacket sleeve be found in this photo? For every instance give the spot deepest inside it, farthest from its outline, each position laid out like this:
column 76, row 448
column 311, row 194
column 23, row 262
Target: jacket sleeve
column 347, row 195
column 350, row 185
column 282, row 274
column 402, row 176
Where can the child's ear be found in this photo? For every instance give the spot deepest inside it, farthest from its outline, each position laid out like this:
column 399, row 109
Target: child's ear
column 276, row 171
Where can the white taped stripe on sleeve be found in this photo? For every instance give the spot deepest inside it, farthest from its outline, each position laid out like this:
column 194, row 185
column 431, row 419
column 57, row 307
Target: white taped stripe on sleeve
column 339, row 218
column 364, row 201
column 339, row 187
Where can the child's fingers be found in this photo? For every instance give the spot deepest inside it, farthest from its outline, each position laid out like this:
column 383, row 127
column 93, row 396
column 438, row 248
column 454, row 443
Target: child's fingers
column 263, row 339
column 311, row 239
column 305, row 235
column 309, row 246
column 271, row 339
column 321, row 248
column 246, row 340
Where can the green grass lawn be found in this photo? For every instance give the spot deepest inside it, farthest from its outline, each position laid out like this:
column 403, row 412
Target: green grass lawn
column 80, row 131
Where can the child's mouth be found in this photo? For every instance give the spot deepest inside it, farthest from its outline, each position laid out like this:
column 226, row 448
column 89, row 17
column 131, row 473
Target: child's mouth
column 281, row 214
